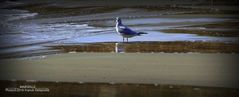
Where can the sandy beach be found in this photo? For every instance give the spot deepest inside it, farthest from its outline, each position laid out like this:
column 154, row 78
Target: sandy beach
column 28, row 27
column 68, row 48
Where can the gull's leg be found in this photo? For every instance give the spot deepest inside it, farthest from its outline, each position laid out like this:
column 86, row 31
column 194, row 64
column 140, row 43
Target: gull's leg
column 123, row 39
column 127, row 39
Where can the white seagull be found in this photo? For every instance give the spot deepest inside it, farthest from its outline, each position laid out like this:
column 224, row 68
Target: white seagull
column 124, row 31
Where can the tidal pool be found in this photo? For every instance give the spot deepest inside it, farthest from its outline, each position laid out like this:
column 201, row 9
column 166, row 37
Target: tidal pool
column 22, row 31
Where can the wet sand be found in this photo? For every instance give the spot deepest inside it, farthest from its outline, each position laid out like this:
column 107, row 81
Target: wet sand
column 212, row 70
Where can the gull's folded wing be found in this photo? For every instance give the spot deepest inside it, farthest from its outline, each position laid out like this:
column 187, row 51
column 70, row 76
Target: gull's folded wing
column 126, row 30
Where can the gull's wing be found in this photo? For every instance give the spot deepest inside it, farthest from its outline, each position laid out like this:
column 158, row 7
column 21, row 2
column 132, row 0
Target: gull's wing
column 126, row 30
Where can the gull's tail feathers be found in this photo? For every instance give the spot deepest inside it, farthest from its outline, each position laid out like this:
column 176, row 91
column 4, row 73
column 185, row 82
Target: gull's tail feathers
column 140, row 33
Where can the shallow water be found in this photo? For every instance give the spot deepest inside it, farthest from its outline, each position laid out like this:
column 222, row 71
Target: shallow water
column 151, row 36
column 170, row 20
column 24, row 30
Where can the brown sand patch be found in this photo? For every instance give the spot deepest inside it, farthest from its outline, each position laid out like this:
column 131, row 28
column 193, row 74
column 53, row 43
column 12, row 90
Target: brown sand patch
column 147, row 47
column 230, row 29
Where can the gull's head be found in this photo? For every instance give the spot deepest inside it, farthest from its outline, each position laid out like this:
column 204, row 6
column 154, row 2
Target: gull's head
column 118, row 20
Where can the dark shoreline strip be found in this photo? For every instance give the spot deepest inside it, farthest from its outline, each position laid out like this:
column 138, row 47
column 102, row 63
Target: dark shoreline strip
column 79, row 89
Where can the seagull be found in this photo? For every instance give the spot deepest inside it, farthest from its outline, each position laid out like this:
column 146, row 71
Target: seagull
column 124, row 31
